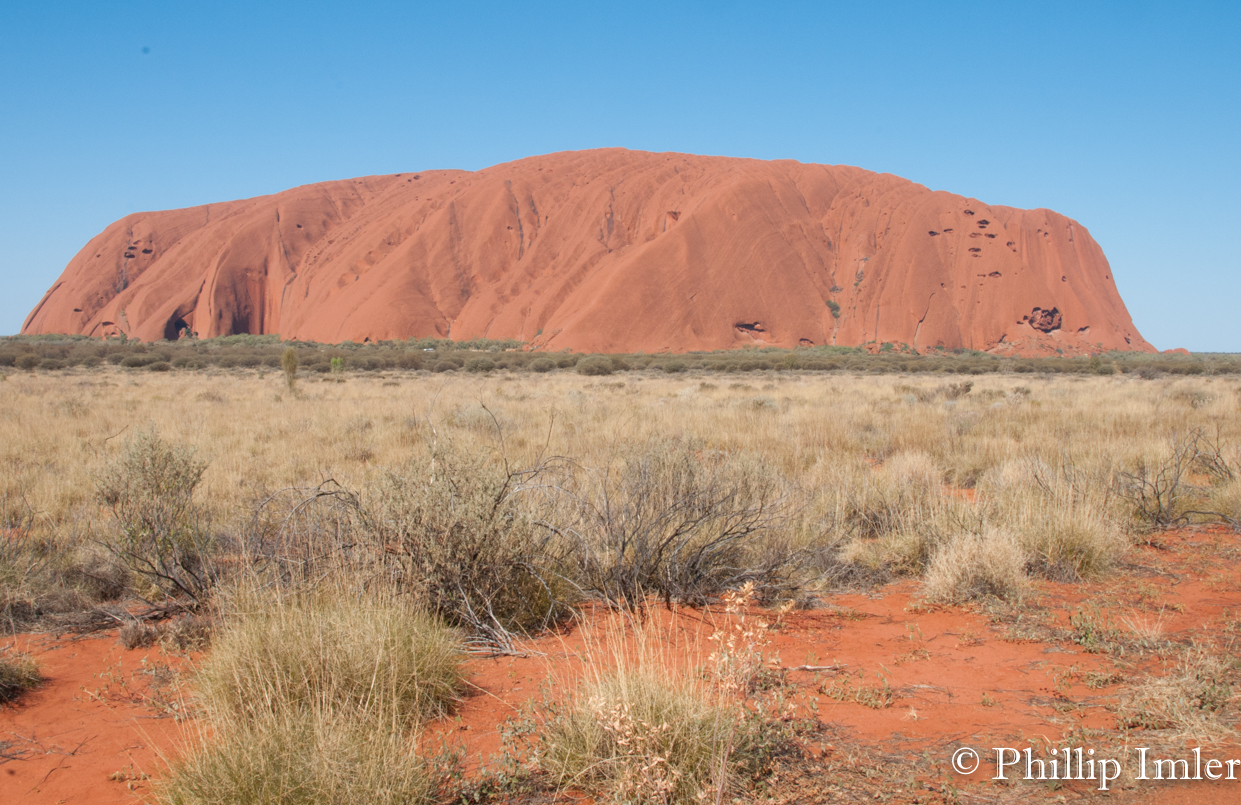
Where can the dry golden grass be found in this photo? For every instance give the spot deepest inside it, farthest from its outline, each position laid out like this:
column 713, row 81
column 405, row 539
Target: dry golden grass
column 317, row 697
column 867, row 460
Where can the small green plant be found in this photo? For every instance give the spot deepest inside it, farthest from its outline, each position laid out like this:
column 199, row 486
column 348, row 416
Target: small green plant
column 338, row 365
column 288, row 362
column 833, row 306
column 18, row 673
column 876, row 697
column 1092, row 630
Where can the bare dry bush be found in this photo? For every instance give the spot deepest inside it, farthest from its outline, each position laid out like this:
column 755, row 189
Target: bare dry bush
column 465, row 539
column 677, row 522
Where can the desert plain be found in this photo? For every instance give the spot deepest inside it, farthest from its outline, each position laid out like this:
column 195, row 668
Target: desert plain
column 238, row 584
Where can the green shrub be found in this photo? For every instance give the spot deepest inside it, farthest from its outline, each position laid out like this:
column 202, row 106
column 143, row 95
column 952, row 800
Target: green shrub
column 480, row 365
column 595, row 366
column 444, row 366
column 28, row 362
column 159, row 366
column 541, row 365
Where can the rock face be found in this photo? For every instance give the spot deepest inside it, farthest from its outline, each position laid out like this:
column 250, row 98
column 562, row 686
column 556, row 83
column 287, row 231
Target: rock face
column 605, row 251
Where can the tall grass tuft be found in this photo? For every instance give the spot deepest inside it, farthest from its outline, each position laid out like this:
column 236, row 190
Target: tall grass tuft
column 331, row 649
column 317, row 697
column 653, row 720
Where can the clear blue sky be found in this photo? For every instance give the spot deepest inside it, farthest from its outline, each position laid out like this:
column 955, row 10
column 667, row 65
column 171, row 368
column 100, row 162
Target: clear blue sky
column 1122, row 115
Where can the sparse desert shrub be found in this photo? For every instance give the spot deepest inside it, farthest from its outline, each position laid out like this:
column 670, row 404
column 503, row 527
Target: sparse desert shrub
column 18, row 673
column 444, row 366
column 596, row 366
column 139, row 634
column 541, row 365
column 160, row 534
column 480, row 365
column 663, row 520
column 971, row 566
column 466, row 548
column 1156, row 489
column 1225, row 498
column 100, row 576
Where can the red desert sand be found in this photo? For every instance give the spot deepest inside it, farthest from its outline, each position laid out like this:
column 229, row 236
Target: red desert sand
column 605, row 251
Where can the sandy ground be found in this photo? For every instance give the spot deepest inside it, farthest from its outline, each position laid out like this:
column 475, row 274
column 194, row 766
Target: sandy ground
column 943, row 678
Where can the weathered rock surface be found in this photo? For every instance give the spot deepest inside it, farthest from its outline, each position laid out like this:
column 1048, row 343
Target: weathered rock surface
column 608, row 250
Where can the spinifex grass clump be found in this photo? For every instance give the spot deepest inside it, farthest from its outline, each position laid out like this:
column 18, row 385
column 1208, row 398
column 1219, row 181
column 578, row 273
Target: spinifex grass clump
column 331, row 649
column 312, row 756
column 317, row 698
column 649, row 723
column 636, row 736
column 18, row 673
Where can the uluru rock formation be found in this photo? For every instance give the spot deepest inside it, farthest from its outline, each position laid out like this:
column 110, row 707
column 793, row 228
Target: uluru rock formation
column 605, row 251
